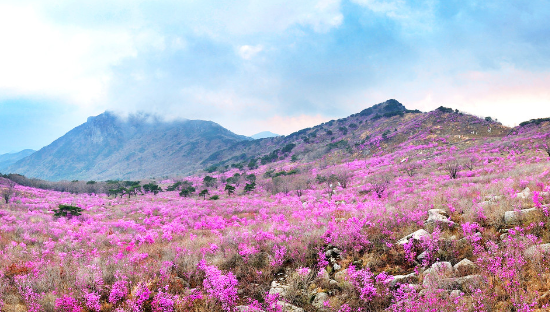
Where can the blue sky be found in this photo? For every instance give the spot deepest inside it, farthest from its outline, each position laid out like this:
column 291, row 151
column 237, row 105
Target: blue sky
column 264, row 65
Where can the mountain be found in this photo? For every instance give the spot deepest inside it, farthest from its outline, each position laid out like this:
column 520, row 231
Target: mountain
column 263, row 135
column 141, row 146
column 9, row 159
column 385, row 127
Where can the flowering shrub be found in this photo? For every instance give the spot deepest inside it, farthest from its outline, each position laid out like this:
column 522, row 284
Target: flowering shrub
column 220, row 287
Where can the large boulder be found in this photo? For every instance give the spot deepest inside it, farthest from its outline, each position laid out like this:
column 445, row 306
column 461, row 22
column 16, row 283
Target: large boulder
column 437, row 272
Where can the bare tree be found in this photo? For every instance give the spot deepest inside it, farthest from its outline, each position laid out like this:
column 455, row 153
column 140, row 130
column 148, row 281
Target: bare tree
column 379, row 184
column 469, row 163
column 9, row 191
column 452, row 167
column 343, row 177
column 281, row 184
column 300, row 183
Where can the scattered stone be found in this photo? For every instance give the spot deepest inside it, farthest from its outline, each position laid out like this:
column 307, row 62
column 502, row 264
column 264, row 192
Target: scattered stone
column 422, row 256
column 465, row 267
column 403, row 279
column 333, row 282
column 456, row 293
column 493, row 198
column 247, row 309
column 336, row 267
column 438, row 216
column 514, row 217
column 287, row 307
column 434, row 275
column 536, row 252
column 526, row 193
column 319, row 300
column 418, row 235
column 341, row 276
column 324, row 275
column 278, row 289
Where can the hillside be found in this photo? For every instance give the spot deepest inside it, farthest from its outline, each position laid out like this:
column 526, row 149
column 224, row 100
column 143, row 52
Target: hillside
column 9, row 159
column 108, row 147
column 383, row 127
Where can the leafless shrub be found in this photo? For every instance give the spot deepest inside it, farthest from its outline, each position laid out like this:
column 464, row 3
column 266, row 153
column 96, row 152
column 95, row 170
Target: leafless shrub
column 343, row 176
column 469, row 163
column 452, row 167
column 300, row 183
column 281, row 184
column 411, row 168
column 379, row 184
column 8, row 191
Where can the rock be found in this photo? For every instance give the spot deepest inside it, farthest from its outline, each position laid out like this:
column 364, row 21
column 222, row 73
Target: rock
column 465, row 267
column 278, row 289
column 418, row 235
column 493, row 198
column 514, row 217
column 333, row 282
column 287, row 307
column 469, row 283
column 434, row 275
column 465, row 283
column 456, row 294
column 336, row 267
column 319, row 300
column 403, row 279
column 536, row 252
column 324, row 275
column 247, row 309
column 526, row 193
column 436, row 216
column 443, row 268
column 341, row 276
column 422, row 256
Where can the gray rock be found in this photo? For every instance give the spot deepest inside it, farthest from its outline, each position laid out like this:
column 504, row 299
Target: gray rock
column 418, row 235
column 465, row 283
column 333, row 282
column 247, row 309
column 514, row 217
column 287, row 307
column 319, row 300
column 455, row 293
column 438, row 216
column 336, row 267
column 536, row 252
column 526, row 193
column 341, row 276
column 403, row 279
column 278, row 289
column 436, row 273
column 465, row 267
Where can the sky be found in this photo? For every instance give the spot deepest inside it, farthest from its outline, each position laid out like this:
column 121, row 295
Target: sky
column 269, row 65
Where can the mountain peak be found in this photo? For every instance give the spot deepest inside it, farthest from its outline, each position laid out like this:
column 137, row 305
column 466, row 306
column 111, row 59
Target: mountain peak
column 389, row 106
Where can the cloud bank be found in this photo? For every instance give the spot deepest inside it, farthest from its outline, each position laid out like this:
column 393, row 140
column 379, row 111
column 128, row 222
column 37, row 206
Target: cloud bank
column 266, row 65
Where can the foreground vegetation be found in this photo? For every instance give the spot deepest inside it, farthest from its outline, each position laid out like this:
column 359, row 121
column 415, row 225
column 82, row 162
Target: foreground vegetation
column 329, row 235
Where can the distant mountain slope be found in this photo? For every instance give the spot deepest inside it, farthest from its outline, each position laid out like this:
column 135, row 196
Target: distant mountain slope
column 108, row 147
column 9, row 159
column 263, row 135
column 382, row 127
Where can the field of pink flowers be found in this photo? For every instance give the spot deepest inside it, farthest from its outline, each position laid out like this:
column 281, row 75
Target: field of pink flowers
column 337, row 241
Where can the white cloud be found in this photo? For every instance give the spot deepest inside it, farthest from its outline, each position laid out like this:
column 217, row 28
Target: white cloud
column 72, row 64
column 247, row 52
